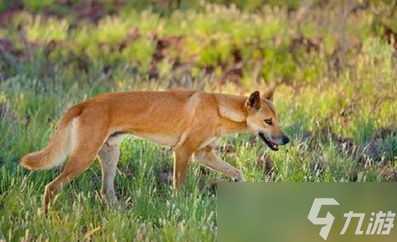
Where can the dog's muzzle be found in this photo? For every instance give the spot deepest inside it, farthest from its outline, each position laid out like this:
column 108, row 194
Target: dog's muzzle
column 273, row 145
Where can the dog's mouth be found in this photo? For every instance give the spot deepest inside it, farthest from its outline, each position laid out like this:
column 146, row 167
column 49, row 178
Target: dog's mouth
column 267, row 141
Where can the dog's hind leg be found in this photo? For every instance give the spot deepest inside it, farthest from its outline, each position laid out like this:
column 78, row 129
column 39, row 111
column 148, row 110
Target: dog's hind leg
column 109, row 156
column 88, row 138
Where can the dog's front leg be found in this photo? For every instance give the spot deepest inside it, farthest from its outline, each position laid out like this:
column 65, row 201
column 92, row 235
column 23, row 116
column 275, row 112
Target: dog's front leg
column 207, row 157
column 181, row 162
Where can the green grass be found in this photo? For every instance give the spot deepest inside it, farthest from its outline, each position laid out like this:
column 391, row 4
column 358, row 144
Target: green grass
column 341, row 120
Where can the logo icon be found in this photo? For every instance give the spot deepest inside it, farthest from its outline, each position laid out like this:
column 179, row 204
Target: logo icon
column 378, row 223
column 326, row 221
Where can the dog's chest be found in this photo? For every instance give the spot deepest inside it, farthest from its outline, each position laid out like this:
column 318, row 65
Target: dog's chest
column 208, row 142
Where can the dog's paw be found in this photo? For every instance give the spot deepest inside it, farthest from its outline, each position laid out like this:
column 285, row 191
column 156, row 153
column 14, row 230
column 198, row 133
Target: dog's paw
column 238, row 177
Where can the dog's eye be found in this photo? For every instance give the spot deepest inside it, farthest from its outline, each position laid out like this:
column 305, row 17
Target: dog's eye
column 268, row 121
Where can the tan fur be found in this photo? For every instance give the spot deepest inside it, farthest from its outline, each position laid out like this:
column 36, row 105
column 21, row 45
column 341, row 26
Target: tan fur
column 58, row 147
column 188, row 121
column 231, row 108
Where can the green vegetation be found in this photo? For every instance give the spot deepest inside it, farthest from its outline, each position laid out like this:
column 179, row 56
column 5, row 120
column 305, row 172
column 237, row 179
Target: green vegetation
column 336, row 98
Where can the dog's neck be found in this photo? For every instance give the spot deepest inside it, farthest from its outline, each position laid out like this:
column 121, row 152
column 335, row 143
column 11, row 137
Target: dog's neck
column 229, row 126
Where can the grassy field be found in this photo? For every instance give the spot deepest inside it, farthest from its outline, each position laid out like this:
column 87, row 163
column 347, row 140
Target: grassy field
column 335, row 65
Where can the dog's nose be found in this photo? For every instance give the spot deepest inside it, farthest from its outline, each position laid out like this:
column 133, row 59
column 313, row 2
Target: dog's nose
column 285, row 140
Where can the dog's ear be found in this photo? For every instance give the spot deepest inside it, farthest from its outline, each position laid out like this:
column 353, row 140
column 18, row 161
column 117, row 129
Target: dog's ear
column 268, row 94
column 254, row 101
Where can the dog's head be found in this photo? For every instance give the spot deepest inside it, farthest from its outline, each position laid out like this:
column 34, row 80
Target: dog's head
column 262, row 119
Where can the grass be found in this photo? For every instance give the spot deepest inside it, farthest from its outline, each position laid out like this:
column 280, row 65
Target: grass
column 338, row 107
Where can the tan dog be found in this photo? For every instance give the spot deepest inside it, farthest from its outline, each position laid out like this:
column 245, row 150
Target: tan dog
column 188, row 121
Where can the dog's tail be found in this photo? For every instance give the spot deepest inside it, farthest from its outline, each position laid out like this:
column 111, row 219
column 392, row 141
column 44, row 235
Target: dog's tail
column 59, row 145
